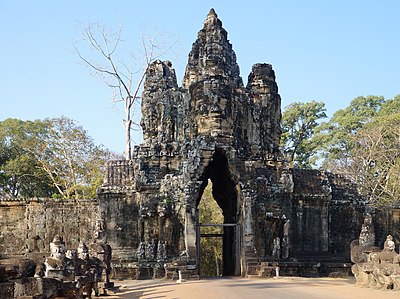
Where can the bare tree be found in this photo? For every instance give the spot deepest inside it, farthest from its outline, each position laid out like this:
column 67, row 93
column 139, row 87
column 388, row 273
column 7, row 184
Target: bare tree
column 376, row 160
column 125, row 81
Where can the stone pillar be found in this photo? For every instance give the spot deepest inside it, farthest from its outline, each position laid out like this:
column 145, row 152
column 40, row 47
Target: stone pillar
column 248, row 233
column 286, row 240
column 7, row 290
column 325, row 228
column 190, row 233
column 299, row 225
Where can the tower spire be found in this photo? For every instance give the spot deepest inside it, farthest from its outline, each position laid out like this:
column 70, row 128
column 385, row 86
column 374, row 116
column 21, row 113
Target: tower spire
column 212, row 54
column 212, row 19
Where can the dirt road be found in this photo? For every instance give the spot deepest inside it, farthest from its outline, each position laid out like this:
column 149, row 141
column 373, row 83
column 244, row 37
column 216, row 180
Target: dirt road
column 235, row 288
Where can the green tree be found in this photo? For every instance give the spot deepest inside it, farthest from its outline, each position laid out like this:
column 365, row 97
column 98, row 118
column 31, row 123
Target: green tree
column 20, row 173
column 56, row 153
column 336, row 136
column 299, row 121
column 362, row 142
column 210, row 247
column 70, row 157
column 390, row 106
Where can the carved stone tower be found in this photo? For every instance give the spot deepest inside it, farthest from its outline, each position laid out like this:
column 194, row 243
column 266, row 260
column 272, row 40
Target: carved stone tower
column 213, row 128
column 212, row 102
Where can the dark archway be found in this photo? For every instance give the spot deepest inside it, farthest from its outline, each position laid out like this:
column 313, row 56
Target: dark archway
column 225, row 194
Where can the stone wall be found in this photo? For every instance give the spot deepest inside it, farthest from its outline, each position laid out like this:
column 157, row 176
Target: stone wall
column 346, row 212
column 322, row 213
column 28, row 226
column 386, row 222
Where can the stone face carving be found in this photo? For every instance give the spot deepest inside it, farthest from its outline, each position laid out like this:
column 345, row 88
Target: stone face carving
column 88, row 270
column 363, row 253
column 276, row 250
column 210, row 127
column 199, row 132
column 79, row 273
column 83, row 251
column 101, row 252
column 213, row 128
column 212, row 101
column 383, row 265
column 372, row 267
column 361, row 248
column 58, row 265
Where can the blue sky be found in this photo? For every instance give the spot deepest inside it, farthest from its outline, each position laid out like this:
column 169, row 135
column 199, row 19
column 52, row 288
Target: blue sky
column 330, row 51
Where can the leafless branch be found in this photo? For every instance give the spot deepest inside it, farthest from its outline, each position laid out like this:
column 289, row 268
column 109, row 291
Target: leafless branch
column 124, row 81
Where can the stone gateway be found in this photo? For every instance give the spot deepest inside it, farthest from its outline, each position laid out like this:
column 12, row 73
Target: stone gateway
column 215, row 129
column 210, row 130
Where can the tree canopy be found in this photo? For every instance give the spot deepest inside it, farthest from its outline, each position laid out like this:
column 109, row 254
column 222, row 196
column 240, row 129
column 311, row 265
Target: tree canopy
column 336, row 136
column 51, row 157
column 375, row 164
column 20, row 172
column 361, row 142
column 299, row 122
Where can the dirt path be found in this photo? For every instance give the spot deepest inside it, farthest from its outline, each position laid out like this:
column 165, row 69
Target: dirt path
column 235, row 288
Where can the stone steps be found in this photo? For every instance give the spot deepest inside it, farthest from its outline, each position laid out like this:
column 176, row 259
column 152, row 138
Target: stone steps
column 305, row 266
column 257, row 269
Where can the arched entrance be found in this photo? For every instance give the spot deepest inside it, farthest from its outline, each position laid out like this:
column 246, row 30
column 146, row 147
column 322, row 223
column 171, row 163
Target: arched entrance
column 225, row 194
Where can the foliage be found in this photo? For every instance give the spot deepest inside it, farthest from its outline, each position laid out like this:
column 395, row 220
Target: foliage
column 54, row 157
column 299, row 122
column 375, row 162
column 390, row 106
column 210, row 247
column 336, row 136
column 362, row 143
column 20, row 173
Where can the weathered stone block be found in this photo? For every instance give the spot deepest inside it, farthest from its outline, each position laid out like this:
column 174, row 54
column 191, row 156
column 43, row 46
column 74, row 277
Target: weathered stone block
column 7, row 290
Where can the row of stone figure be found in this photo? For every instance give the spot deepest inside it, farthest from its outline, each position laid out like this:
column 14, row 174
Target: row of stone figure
column 75, row 273
column 78, row 264
column 373, row 267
